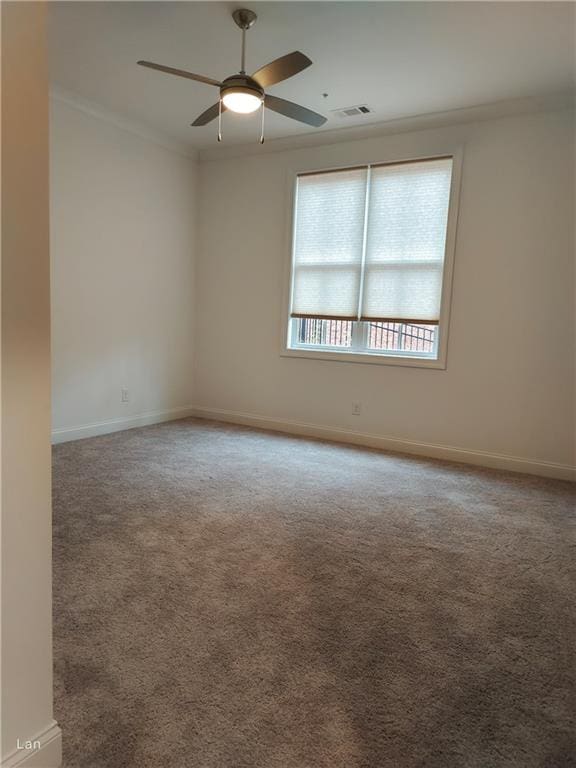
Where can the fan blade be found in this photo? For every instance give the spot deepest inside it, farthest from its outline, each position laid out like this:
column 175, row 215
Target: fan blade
column 180, row 73
column 208, row 115
column 281, row 69
column 295, row 111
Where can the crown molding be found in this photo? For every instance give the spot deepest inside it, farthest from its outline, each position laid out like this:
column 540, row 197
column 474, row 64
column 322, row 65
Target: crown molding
column 560, row 100
column 74, row 100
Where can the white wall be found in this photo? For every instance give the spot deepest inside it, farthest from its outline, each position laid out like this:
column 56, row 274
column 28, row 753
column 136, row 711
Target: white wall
column 122, row 243
column 509, row 386
column 25, row 445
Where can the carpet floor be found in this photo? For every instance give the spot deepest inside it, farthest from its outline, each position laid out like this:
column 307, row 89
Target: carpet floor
column 233, row 598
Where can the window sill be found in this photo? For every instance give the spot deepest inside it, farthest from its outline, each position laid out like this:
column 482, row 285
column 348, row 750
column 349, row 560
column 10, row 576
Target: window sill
column 408, row 361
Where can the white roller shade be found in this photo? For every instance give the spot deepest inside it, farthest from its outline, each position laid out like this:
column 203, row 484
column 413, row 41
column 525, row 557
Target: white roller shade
column 328, row 244
column 405, row 241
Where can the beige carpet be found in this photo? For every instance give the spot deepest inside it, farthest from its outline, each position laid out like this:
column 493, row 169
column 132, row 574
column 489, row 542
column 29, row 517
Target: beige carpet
column 230, row 598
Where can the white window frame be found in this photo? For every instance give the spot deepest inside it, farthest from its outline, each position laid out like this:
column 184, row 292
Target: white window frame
column 352, row 355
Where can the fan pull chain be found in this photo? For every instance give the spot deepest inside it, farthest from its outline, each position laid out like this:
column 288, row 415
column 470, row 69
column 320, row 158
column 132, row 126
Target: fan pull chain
column 243, row 64
column 220, row 119
column 262, row 126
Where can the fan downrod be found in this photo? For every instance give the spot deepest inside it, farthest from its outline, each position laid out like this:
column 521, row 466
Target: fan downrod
column 244, row 18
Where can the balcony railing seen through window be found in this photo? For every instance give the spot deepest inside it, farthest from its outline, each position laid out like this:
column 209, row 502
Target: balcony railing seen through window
column 411, row 338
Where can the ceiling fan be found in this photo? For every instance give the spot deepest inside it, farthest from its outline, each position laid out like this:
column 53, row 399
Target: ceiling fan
column 244, row 93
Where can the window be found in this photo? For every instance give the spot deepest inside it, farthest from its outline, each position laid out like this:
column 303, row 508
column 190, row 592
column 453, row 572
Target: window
column 368, row 261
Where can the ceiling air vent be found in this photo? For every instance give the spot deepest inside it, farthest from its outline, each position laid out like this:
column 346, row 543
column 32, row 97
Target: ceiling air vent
column 362, row 109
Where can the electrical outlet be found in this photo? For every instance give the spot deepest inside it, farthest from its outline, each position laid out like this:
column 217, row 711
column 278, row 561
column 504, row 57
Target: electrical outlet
column 125, row 395
column 356, row 408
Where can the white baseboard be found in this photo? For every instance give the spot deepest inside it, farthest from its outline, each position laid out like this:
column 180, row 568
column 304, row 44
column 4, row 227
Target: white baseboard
column 65, row 434
column 337, row 434
column 449, row 453
column 47, row 755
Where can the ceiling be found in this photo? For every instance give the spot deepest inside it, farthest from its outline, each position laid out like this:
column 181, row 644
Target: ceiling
column 399, row 58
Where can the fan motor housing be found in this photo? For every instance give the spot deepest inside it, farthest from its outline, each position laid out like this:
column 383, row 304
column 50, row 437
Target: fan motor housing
column 241, row 84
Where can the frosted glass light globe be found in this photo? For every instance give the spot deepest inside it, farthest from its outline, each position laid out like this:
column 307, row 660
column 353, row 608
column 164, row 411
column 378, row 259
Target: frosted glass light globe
column 241, row 102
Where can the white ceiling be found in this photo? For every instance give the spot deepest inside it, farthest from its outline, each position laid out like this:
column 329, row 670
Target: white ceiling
column 400, row 58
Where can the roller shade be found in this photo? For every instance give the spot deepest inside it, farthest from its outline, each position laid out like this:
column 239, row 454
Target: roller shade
column 405, row 241
column 369, row 242
column 328, row 244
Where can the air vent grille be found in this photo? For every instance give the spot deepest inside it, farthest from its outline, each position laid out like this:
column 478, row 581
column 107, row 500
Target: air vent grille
column 361, row 109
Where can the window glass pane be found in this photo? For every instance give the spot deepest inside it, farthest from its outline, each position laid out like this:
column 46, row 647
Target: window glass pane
column 408, row 211
column 330, row 217
column 405, row 240
column 331, row 288
column 409, row 292
column 402, row 337
column 328, row 241
column 328, row 333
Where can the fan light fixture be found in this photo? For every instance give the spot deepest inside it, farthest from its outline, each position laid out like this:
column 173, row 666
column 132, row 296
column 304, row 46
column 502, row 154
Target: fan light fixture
column 244, row 93
column 241, row 101
column 241, row 93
